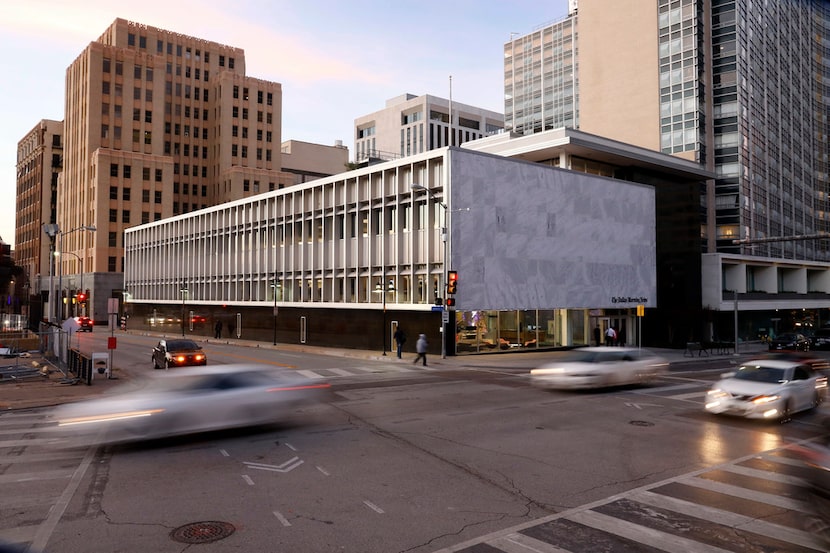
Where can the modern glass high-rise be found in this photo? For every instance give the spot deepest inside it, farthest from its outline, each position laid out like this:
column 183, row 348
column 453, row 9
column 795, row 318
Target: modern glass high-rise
column 736, row 85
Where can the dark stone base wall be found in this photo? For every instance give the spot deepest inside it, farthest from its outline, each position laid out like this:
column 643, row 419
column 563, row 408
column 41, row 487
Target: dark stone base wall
column 342, row 328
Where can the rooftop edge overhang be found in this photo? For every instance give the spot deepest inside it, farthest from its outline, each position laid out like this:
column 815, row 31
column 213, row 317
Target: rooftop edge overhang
column 550, row 144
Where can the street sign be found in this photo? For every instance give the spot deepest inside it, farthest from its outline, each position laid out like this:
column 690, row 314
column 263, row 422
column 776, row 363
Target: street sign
column 445, row 317
column 437, row 307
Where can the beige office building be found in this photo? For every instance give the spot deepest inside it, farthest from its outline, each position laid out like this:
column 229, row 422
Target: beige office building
column 39, row 159
column 157, row 124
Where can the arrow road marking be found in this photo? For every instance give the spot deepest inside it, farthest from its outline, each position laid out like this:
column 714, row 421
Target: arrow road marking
column 289, row 465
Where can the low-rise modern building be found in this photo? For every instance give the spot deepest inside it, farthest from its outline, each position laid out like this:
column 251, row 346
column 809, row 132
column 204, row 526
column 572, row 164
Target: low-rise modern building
column 543, row 255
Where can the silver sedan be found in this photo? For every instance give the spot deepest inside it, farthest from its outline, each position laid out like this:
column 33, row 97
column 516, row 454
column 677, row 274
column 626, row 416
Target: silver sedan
column 599, row 367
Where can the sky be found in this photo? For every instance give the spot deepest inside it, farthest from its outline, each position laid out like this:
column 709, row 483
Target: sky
column 336, row 61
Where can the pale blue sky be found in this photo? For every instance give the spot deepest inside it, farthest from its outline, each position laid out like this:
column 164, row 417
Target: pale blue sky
column 336, row 60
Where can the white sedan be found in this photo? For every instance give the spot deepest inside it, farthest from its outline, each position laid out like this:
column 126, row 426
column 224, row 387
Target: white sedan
column 767, row 389
column 189, row 401
column 598, row 367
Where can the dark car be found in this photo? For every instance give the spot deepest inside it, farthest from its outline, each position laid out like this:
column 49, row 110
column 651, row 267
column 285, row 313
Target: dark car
column 178, row 353
column 86, row 324
column 821, row 339
column 789, row 341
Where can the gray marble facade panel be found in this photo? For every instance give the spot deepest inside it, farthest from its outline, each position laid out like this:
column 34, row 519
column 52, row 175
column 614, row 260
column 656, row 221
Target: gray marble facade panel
column 528, row 236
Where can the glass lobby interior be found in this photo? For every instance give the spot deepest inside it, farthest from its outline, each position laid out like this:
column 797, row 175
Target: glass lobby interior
column 481, row 331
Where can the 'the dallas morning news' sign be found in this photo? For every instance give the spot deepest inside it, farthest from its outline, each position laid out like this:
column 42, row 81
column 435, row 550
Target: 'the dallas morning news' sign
column 628, row 299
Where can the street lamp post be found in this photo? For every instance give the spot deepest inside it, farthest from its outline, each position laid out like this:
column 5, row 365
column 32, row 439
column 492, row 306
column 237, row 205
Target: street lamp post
column 445, row 230
column 384, row 288
column 51, row 231
column 60, row 235
column 274, row 286
column 81, row 262
column 183, row 292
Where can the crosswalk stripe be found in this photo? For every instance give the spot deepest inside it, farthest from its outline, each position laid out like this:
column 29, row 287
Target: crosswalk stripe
column 309, row 374
column 744, row 493
column 727, row 518
column 519, row 543
column 341, row 372
column 642, row 534
column 764, row 474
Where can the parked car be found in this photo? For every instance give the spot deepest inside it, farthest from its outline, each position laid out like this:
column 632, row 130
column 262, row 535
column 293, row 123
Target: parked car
column 821, row 339
column 85, row 324
column 770, row 389
column 596, row 367
column 178, row 353
column 188, row 401
column 789, row 341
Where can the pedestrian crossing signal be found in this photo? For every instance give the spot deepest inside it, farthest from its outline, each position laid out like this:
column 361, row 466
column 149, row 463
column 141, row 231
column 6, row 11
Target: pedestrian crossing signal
column 641, row 310
column 450, row 302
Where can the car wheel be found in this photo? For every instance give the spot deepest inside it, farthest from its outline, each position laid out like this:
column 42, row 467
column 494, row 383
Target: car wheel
column 786, row 412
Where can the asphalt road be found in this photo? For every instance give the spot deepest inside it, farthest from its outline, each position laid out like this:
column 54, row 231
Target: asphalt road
column 406, row 459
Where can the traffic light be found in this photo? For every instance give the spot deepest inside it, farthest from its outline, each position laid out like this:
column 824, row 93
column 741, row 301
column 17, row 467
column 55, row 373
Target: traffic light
column 81, row 297
column 452, row 281
column 450, row 302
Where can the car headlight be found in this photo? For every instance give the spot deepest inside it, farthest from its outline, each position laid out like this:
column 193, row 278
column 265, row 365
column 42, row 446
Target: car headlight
column 716, row 394
column 765, row 399
column 555, row 370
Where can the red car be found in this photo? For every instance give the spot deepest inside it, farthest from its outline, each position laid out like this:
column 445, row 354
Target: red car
column 86, row 324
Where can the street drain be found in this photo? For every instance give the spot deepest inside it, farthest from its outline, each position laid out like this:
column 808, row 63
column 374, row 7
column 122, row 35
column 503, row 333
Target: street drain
column 641, row 423
column 202, row 532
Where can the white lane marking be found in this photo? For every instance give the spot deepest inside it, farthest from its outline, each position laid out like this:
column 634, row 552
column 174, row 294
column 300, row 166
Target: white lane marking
column 248, row 479
column 224, row 453
column 291, row 447
column 281, row 518
column 47, row 527
column 341, row 372
column 373, row 507
column 324, row 471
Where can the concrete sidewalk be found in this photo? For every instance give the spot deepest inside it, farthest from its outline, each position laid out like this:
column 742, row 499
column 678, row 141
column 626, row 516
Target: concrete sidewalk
column 54, row 389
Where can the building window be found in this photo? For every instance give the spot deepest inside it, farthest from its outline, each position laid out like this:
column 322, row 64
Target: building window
column 130, row 39
column 230, row 63
column 234, row 150
column 106, row 65
column 158, row 176
column 145, row 196
column 125, row 216
column 145, row 217
column 244, row 113
column 236, row 91
column 221, row 61
column 128, row 171
column 111, row 264
column 244, row 151
column 269, row 98
column 113, row 240
column 246, row 185
column 113, row 192
column 158, row 197
column 113, row 215
column 113, row 169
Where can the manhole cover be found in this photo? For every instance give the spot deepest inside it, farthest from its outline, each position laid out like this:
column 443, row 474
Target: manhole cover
column 202, row 532
column 641, row 423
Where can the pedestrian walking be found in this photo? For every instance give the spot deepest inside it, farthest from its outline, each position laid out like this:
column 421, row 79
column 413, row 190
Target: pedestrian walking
column 597, row 336
column 610, row 336
column 400, row 339
column 217, row 330
column 421, row 347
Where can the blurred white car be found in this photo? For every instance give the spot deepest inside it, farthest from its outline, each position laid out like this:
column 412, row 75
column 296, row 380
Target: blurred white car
column 767, row 389
column 597, row 367
column 188, row 401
